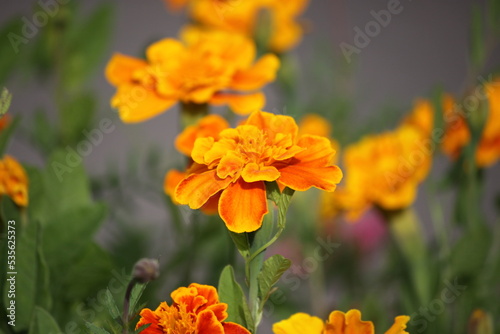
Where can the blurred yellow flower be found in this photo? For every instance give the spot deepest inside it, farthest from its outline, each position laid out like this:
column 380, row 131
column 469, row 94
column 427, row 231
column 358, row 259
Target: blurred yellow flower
column 337, row 323
column 458, row 135
column 213, row 67
column 316, row 125
column 382, row 170
column 421, row 117
column 237, row 165
column 195, row 309
column 242, row 16
column 13, row 181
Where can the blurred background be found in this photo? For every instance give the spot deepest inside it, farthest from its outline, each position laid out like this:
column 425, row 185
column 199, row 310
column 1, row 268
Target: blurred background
column 423, row 48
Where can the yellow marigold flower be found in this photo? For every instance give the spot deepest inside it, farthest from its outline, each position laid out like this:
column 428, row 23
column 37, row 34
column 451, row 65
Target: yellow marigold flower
column 195, row 310
column 237, row 165
column 383, row 170
column 421, row 117
column 313, row 124
column 457, row 134
column 337, row 323
column 208, row 67
column 13, row 181
column 242, row 16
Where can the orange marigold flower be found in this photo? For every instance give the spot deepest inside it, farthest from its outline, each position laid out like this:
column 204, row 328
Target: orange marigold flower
column 13, row 180
column 243, row 17
column 421, row 117
column 313, row 124
column 237, row 165
column 195, row 310
column 208, row 126
column 337, row 323
column 457, row 134
column 208, row 67
column 383, row 170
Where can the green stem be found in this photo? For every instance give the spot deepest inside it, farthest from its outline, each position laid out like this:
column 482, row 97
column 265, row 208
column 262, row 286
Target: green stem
column 191, row 113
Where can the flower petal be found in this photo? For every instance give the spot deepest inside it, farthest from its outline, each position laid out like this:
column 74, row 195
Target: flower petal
column 261, row 73
column 318, row 153
column 253, row 172
column 273, row 124
column 300, row 177
column 120, row 68
column 299, row 323
column 208, row 126
column 242, row 206
column 207, row 323
column 399, row 325
column 196, row 189
column 233, row 328
column 136, row 103
column 242, row 104
column 163, row 50
column 172, row 179
column 230, row 165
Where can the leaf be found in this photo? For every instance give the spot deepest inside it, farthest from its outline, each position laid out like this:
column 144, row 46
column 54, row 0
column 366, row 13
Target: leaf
column 111, row 305
column 477, row 47
column 96, row 330
column 76, row 118
column 6, row 133
column 87, row 46
column 25, row 269
column 230, row 292
column 5, row 100
column 241, row 242
column 469, row 253
column 43, row 323
column 140, row 329
column 44, row 135
column 135, row 296
column 272, row 270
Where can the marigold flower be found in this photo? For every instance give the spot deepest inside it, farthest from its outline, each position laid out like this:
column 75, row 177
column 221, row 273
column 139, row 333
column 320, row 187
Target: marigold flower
column 421, row 117
column 242, row 16
column 237, row 165
column 13, row 181
column 195, row 310
column 337, row 323
column 314, row 124
column 383, row 170
column 457, row 134
column 213, row 67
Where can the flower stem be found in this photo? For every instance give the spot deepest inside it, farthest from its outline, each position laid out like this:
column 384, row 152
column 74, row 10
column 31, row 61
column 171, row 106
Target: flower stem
column 191, row 113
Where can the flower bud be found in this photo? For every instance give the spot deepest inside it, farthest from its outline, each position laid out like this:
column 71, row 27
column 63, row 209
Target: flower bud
column 146, row 270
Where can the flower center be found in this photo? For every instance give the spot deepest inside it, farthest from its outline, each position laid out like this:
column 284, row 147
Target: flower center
column 175, row 320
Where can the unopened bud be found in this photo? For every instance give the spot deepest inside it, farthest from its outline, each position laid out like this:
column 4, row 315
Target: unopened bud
column 146, row 270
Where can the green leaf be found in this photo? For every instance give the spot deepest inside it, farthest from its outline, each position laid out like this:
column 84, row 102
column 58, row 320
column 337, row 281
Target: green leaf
column 11, row 42
column 111, row 305
column 140, row 329
column 44, row 135
column 6, row 133
column 95, row 330
column 76, row 117
column 43, row 323
column 230, row 292
column 25, row 268
column 273, row 268
column 241, row 242
column 5, row 100
column 135, row 296
column 494, row 11
column 72, row 232
column 87, row 46
column 477, row 48
column 469, row 253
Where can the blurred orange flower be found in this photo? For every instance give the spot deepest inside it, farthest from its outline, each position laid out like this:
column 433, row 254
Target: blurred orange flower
column 314, row 124
column 421, row 117
column 458, row 135
column 237, row 165
column 337, row 323
column 243, row 17
column 213, row 67
column 195, row 309
column 4, row 122
column 13, row 180
column 383, row 170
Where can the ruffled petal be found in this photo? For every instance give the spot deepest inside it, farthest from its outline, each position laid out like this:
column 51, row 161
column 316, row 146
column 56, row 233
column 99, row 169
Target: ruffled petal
column 299, row 323
column 136, row 103
column 261, row 73
column 164, row 50
column 399, row 325
column 120, row 69
column 149, row 317
column 196, row 189
column 207, row 323
column 356, row 325
column 172, row 179
column 242, row 206
column 233, row 328
column 273, row 124
column 209, row 126
column 253, row 172
column 242, row 104
column 299, row 177
column 230, row 165
column 200, row 148
column 318, row 153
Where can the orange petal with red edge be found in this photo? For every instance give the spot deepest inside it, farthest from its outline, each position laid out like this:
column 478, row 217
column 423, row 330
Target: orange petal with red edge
column 196, row 189
column 242, row 206
column 136, row 103
column 233, row 328
column 120, row 68
column 207, row 323
column 261, row 73
column 242, row 104
column 253, row 172
column 172, row 179
column 318, row 153
column 299, row 177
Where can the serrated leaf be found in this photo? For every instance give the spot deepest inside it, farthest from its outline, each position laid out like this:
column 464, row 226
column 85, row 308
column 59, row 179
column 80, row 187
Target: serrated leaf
column 272, row 270
column 111, row 305
column 135, row 296
column 43, row 323
column 230, row 292
column 94, row 329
